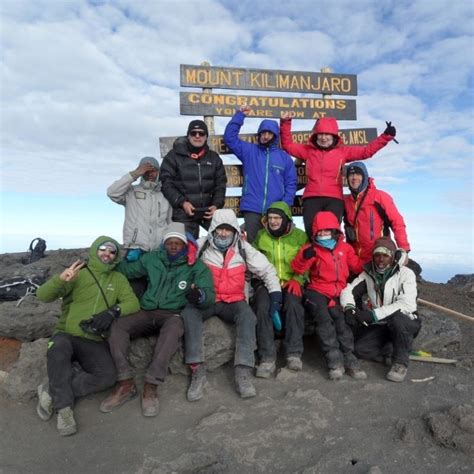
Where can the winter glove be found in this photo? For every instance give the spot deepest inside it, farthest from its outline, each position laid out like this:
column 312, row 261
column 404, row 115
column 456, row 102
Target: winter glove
column 309, row 252
column 275, row 306
column 294, row 288
column 101, row 321
column 195, row 295
column 350, row 313
column 390, row 130
column 401, row 257
column 364, row 316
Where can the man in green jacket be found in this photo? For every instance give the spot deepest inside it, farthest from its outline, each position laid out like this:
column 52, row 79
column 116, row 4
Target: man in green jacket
column 175, row 279
column 280, row 241
column 93, row 296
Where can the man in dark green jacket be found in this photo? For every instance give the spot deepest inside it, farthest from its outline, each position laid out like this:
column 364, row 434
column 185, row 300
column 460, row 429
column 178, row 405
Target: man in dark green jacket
column 175, row 278
column 93, row 296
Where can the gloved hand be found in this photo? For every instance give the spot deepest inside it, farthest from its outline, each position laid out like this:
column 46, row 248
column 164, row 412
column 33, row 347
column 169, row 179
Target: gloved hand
column 102, row 321
column 401, row 257
column 309, row 252
column 276, row 319
column 293, row 287
column 275, row 301
column 350, row 313
column 364, row 316
column 195, row 295
column 390, row 130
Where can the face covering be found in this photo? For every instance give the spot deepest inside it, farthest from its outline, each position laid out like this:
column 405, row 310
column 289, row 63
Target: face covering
column 149, row 184
column 281, row 230
column 326, row 241
column 223, row 243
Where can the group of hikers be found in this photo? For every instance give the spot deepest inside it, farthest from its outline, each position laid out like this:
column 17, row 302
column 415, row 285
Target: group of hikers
column 355, row 288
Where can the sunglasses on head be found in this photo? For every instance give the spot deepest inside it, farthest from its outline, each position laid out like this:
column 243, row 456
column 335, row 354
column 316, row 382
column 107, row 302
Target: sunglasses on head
column 110, row 250
column 197, row 133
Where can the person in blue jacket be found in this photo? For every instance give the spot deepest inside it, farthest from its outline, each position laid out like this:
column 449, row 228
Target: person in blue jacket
column 269, row 172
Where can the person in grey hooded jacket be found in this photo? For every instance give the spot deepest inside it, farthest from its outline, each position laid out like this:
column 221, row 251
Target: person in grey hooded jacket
column 147, row 211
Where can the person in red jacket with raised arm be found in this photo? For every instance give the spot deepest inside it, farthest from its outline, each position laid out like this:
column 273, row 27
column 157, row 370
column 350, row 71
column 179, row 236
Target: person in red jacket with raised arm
column 325, row 156
column 329, row 260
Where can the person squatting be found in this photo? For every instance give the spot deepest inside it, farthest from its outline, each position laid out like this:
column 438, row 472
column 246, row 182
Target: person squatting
column 352, row 287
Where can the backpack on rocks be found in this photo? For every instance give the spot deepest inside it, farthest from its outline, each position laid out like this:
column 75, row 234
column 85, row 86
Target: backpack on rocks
column 18, row 288
column 35, row 251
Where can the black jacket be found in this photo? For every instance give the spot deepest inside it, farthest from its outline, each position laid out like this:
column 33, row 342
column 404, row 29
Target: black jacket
column 202, row 182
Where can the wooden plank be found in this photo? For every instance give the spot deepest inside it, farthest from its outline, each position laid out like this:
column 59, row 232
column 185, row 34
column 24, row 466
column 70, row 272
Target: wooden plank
column 354, row 136
column 267, row 79
column 235, row 177
column 224, row 105
column 233, row 202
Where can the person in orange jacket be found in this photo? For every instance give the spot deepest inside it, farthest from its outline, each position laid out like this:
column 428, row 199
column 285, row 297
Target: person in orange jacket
column 325, row 156
column 329, row 260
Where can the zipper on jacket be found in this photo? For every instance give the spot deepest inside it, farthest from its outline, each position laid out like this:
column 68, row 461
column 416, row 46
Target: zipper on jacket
column 267, row 160
column 200, row 182
column 371, row 225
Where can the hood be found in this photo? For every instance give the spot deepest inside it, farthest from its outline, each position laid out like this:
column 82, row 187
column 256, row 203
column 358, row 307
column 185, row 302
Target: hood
column 154, row 162
column 94, row 262
column 359, row 166
column 325, row 125
column 223, row 216
column 282, row 206
column 325, row 220
column 270, row 126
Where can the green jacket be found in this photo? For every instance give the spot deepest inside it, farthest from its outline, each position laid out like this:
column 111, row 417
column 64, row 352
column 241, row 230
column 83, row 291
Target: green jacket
column 169, row 281
column 280, row 251
column 82, row 297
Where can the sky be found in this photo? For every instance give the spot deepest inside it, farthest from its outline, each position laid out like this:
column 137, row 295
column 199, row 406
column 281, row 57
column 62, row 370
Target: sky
column 88, row 87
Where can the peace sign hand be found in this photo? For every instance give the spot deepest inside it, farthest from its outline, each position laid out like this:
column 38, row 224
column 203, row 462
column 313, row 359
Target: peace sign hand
column 71, row 273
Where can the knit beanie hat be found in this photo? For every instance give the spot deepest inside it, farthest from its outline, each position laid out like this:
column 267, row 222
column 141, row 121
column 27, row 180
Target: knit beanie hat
column 197, row 125
column 175, row 229
column 384, row 245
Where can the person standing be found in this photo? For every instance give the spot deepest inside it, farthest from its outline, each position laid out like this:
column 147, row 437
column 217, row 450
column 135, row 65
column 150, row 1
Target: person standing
column 193, row 179
column 370, row 213
column 269, row 172
column 325, row 156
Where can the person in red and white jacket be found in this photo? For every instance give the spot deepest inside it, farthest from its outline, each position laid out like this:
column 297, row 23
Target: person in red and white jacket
column 325, row 156
column 228, row 257
column 370, row 213
column 330, row 260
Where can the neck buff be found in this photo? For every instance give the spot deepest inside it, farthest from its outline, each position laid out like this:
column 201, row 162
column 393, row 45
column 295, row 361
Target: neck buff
column 173, row 258
column 281, row 230
column 326, row 241
column 222, row 243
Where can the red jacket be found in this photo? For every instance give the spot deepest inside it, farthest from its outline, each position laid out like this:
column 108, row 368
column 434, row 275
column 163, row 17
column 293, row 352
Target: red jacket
column 369, row 225
column 329, row 269
column 324, row 168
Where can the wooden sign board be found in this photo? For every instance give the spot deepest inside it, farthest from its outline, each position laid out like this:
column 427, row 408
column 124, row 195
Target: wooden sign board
column 268, row 80
column 354, row 136
column 233, row 202
column 225, row 105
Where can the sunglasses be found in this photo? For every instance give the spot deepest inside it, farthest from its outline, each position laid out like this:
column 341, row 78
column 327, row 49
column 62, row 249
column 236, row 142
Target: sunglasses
column 104, row 248
column 197, row 133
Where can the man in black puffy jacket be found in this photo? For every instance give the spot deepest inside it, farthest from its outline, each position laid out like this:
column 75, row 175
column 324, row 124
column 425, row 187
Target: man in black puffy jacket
column 193, row 179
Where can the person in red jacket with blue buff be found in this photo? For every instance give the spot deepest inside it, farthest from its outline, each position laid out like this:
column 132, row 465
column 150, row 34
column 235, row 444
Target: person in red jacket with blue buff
column 325, row 156
column 269, row 172
column 370, row 214
column 329, row 260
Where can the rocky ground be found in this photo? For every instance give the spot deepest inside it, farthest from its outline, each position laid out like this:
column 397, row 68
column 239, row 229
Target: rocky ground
column 299, row 422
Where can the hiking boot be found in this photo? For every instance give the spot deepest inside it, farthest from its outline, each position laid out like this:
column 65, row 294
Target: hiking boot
column 356, row 373
column 397, row 373
column 198, row 383
column 124, row 391
column 66, row 423
column 243, row 381
column 45, row 403
column 265, row 369
column 336, row 373
column 294, row 363
column 150, row 402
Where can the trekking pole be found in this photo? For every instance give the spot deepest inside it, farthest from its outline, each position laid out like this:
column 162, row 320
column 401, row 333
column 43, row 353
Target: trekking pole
column 447, row 310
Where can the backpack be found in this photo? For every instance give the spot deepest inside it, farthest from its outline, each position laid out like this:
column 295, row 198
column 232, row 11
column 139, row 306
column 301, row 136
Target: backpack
column 18, row 288
column 35, row 251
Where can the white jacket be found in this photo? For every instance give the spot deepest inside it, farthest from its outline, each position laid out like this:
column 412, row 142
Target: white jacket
column 399, row 293
column 147, row 212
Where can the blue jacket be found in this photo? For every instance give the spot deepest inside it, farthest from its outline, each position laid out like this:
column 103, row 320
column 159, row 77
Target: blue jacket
column 269, row 172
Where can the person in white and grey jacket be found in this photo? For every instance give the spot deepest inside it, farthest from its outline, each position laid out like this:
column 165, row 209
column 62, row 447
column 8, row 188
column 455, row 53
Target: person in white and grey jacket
column 147, row 211
column 389, row 322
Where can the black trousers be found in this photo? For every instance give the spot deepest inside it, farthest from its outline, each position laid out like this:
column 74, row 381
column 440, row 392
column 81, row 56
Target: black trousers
column 313, row 205
column 293, row 325
column 193, row 226
column 335, row 337
column 253, row 223
column 94, row 372
column 393, row 337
